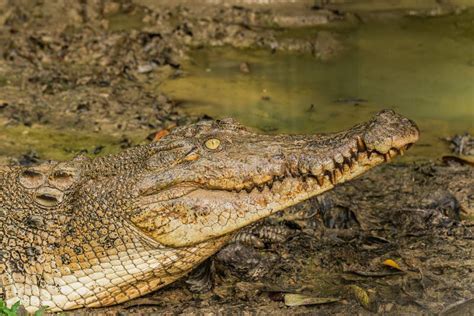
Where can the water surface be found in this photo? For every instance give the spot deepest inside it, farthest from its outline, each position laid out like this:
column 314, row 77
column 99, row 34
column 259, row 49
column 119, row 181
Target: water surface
column 420, row 67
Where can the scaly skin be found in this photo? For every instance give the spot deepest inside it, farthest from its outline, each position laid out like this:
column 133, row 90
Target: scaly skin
column 97, row 232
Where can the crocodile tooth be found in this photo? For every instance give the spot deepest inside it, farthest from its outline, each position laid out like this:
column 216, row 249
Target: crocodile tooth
column 328, row 178
column 302, row 168
column 276, row 185
column 337, row 165
column 329, row 164
column 270, row 184
column 311, row 180
column 387, row 157
column 266, row 189
column 329, row 175
column 315, row 170
column 254, row 190
column 353, row 163
column 339, row 158
column 320, row 179
column 347, row 167
column 361, row 144
column 369, row 153
column 401, row 151
column 348, row 162
column 354, row 154
column 337, row 174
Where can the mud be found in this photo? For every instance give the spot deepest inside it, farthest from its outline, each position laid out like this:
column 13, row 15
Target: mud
column 85, row 77
column 96, row 66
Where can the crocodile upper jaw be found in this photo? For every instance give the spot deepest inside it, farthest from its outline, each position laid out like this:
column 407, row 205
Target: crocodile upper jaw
column 219, row 194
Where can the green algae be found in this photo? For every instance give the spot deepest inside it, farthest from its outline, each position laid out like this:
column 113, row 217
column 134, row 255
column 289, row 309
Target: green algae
column 57, row 144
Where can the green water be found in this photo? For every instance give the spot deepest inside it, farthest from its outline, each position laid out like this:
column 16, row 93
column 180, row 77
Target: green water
column 420, row 67
column 58, row 144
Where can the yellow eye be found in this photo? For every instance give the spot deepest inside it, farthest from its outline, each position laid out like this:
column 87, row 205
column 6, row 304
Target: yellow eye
column 212, row 143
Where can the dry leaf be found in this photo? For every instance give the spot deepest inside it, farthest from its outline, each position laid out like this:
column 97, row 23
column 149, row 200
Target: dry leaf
column 301, row 299
column 361, row 296
column 392, row 264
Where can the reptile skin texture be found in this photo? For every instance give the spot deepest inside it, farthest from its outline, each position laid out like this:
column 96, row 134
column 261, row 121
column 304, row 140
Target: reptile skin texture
column 98, row 232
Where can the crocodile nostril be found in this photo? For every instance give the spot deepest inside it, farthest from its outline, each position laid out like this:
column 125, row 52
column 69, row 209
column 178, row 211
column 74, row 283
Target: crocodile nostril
column 48, row 197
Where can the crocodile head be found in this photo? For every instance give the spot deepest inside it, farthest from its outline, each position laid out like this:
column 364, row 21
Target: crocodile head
column 102, row 231
column 214, row 177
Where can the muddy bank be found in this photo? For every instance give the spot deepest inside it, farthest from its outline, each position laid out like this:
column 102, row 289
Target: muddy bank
column 84, row 77
column 93, row 71
column 96, row 66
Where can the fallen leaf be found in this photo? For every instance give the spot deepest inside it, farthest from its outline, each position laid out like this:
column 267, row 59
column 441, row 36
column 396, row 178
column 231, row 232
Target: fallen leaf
column 301, row 299
column 361, row 296
column 376, row 274
column 391, row 263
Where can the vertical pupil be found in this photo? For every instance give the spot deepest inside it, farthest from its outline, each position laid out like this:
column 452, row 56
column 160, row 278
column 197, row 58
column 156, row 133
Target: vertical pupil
column 212, row 143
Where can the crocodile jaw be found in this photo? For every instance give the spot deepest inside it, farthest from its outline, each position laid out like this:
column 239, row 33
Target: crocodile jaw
column 202, row 208
column 87, row 239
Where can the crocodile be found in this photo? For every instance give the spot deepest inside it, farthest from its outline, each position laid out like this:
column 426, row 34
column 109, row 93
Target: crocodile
column 95, row 232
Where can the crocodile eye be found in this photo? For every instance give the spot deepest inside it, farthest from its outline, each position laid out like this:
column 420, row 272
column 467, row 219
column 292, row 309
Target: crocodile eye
column 212, row 143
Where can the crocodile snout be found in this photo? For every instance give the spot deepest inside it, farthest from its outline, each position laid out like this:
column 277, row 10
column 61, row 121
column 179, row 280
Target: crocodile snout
column 390, row 130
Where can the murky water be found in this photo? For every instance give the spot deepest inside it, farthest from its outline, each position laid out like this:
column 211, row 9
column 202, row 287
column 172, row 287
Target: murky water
column 421, row 67
column 57, row 144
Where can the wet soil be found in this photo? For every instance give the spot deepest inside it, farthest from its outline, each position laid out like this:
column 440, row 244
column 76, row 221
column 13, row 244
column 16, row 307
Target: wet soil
column 95, row 66
column 84, row 76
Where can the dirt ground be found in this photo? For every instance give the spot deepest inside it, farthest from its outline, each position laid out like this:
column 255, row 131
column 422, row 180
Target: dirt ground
column 90, row 71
